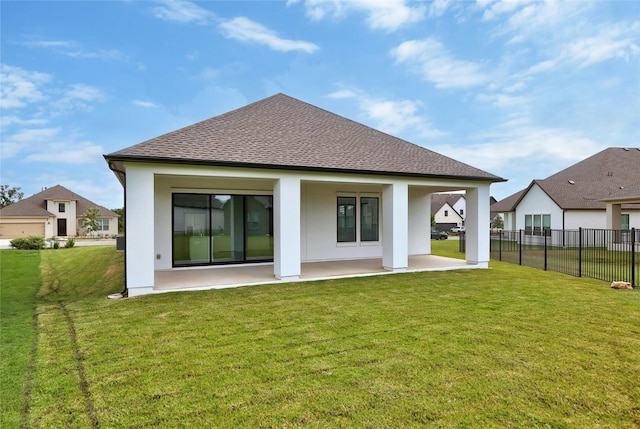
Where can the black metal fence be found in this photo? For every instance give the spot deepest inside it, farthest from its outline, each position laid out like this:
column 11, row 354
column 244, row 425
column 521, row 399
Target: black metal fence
column 603, row 254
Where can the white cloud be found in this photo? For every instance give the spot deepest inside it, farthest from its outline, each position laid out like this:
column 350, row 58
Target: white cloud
column 520, row 144
column 75, row 50
column 615, row 41
column 183, row 12
column 77, row 97
column 7, row 121
column 429, row 59
column 381, row 15
column 502, row 100
column 391, row 116
column 501, row 7
column 438, row 7
column 25, row 140
column 81, row 153
column 20, row 87
column 245, row 30
column 145, row 104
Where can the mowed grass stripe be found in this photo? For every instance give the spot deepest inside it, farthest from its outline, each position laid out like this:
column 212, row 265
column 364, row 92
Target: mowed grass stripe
column 19, row 283
column 504, row 347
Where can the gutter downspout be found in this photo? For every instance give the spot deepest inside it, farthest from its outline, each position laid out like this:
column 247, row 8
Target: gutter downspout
column 125, row 292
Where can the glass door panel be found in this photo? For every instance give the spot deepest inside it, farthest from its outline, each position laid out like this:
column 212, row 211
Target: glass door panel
column 258, row 227
column 227, row 236
column 190, row 229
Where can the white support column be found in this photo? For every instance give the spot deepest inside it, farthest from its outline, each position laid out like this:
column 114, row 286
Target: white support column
column 140, row 231
column 286, row 228
column 477, row 225
column 395, row 229
column 419, row 221
column 614, row 216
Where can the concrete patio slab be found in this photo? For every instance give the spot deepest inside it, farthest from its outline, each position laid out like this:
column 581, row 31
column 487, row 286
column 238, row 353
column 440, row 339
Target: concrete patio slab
column 218, row 277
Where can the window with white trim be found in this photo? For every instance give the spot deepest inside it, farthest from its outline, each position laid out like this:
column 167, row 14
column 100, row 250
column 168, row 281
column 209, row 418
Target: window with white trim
column 346, row 219
column 358, row 219
column 536, row 224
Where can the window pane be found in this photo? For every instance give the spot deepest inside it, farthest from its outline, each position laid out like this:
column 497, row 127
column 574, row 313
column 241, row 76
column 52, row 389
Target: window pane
column 259, row 225
column 191, row 243
column 227, row 228
column 346, row 219
column 625, row 222
column 537, row 224
column 369, row 219
column 546, row 221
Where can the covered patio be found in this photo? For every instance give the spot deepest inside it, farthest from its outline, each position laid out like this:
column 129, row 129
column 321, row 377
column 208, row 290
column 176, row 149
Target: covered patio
column 229, row 276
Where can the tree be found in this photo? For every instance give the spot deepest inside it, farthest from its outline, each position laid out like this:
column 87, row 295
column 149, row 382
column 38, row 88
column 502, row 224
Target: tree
column 433, row 220
column 497, row 223
column 120, row 212
column 90, row 220
column 9, row 195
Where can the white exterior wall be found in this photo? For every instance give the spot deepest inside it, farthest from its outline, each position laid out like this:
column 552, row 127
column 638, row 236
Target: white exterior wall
column 536, row 201
column 477, row 225
column 319, row 222
column 305, row 221
column 460, row 206
column 574, row 219
column 140, row 239
column 69, row 214
column 451, row 217
column 419, row 230
column 286, row 227
column 395, row 228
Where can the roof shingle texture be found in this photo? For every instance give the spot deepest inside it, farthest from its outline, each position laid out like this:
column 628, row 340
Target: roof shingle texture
column 283, row 132
column 611, row 173
column 35, row 205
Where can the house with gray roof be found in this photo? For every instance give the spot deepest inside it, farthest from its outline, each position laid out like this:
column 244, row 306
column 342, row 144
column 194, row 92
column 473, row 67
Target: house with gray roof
column 54, row 212
column 278, row 185
column 600, row 192
column 448, row 210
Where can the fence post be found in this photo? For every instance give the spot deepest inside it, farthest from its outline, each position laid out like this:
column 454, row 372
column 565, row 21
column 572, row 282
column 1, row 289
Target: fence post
column 633, row 257
column 500, row 247
column 545, row 249
column 579, row 251
column 520, row 247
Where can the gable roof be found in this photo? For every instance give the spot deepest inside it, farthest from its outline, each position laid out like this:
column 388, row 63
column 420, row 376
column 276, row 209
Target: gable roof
column 610, row 174
column 283, row 132
column 35, row 205
column 439, row 200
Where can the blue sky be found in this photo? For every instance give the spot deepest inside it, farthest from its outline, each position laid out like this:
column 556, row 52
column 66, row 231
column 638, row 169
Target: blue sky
column 520, row 89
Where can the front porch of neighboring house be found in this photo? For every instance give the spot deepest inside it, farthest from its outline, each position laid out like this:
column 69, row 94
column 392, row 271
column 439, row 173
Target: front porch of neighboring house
column 228, row 276
column 177, row 215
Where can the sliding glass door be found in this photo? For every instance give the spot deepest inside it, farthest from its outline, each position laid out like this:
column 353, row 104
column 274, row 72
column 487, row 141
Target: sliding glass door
column 219, row 229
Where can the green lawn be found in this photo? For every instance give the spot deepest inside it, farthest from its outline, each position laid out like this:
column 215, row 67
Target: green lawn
column 505, row 347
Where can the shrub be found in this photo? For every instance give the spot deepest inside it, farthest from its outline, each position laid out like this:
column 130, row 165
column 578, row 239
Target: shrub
column 31, row 242
column 55, row 245
column 70, row 243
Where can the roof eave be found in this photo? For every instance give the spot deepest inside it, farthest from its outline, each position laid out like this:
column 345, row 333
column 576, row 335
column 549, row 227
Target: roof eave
column 160, row 160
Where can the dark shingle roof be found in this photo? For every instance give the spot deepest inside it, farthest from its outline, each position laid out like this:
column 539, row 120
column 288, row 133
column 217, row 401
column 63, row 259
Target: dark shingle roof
column 282, row 132
column 35, row 205
column 611, row 173
column 439, row 200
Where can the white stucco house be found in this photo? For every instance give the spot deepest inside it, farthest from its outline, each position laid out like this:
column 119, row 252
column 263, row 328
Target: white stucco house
column 54, row 212
column 280, row 184
column 600, row 192
column 448, row 210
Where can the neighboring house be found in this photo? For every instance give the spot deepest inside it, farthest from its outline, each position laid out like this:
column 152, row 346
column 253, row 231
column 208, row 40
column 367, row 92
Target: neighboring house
column 281, row 182
column 600, row 192
column 54, row 212
column 448, row 210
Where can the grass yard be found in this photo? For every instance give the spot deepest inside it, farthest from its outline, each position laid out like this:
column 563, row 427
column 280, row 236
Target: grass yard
column 506, row 347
